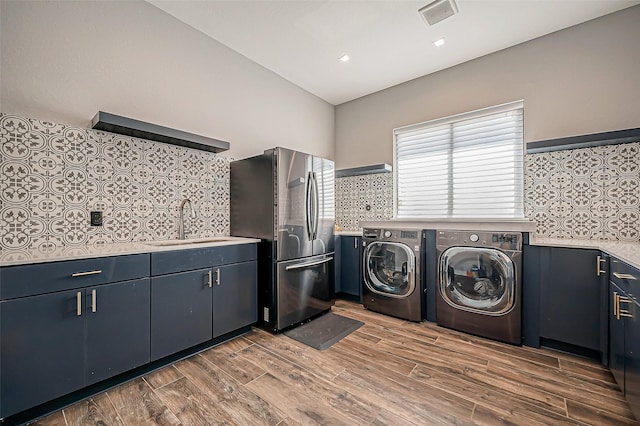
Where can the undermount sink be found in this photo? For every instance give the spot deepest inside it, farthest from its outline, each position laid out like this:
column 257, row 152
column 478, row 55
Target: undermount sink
column 188, row 242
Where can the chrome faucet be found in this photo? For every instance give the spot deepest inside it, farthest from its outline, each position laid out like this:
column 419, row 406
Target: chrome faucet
column 193, row 216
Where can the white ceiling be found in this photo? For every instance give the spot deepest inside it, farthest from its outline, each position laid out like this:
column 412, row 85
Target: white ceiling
column 387, row 40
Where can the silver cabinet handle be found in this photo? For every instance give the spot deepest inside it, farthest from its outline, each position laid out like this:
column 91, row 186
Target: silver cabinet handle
column 624, row 276
column 598, row 262
column 623, row 312
column 94, row 301
column 210, row 279
column 217, row 276
column 84, row 274
column 617, row 311
column 79, row 303
column 355, row 243
column 306, row 265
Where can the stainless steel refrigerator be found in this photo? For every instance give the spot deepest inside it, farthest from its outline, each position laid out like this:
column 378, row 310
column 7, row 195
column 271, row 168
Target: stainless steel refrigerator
column 286, row 198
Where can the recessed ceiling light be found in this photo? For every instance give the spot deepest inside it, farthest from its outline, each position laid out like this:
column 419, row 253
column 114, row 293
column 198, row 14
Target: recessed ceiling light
column 439, row 42
column 344, row 58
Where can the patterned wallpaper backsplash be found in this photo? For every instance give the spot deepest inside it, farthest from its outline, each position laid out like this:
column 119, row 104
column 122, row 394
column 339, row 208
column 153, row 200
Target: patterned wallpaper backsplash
column 587, row 193
column 53, row 175
column 363, row 198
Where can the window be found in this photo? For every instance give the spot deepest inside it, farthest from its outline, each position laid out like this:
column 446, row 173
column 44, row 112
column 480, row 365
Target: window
column 467, row 165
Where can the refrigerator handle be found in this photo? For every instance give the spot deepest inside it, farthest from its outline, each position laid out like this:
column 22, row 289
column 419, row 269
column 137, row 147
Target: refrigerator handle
column 316, row 206
column 307, row 265
column 308, row 207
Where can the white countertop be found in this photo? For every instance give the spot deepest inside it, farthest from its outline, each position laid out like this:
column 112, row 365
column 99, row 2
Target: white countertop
column 626, row 251
column 29, row 256
column 500, row 225
column 349, row 233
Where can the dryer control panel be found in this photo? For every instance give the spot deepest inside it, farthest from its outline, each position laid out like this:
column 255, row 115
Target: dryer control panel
column 502, row 240
column 371, row 233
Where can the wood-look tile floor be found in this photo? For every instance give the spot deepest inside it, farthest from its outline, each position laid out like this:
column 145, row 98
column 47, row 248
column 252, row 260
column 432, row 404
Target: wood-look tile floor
column 388, row 372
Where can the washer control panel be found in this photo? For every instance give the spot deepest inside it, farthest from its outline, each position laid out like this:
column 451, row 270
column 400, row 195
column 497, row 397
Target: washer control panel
column 372, row 234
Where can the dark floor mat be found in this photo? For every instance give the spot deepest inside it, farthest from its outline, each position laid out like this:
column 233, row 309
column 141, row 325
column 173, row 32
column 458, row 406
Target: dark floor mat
column 324, row 331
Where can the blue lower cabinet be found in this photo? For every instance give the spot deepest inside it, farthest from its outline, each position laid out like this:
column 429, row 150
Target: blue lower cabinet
column 169, row 262
column 616, row 337
column 180, row 311
column 235, row 297
column 624, row 330
column 54, row 344
column 562, row 300
column 350, row 269
column 118, row 322
column 49, row 277
column 189, row 308
column 624, row 345
column 65, row 326
column 570, row 298
column 42, row 349
column 531, row 295
column 632, row 358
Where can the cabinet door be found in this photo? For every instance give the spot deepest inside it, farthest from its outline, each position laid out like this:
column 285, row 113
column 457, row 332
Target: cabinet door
column 118, row 322
column 632, row 355
column 616, row 339
column 531, row 299
column 570, row 297
column 351, row 266
column 235, row 297
column 602, row 270
column 180, row 311
column 42, row 349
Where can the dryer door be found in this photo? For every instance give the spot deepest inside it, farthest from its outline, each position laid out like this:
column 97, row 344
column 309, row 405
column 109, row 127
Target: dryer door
column 476, row 279
column 389, row 269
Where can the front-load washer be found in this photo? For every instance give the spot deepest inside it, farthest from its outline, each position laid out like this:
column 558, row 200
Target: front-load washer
column 392, row 280
column 479, row 283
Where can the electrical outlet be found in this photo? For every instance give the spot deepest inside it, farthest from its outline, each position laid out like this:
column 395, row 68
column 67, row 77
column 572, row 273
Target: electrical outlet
column 96, row 218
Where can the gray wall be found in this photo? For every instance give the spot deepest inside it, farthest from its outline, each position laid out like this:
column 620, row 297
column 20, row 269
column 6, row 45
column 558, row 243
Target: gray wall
column 62, row 61
column 577, row 81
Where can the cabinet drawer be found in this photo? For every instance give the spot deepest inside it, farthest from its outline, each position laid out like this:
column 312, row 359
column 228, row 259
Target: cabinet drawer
column 626, row 277
column 168, row 262
column 29, row 280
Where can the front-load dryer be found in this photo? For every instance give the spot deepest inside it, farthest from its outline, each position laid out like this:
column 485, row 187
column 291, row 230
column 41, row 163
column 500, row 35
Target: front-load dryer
column 392, row 265
column 479, row 283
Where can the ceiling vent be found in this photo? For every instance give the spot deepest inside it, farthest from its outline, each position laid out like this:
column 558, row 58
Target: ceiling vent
column 438, row 10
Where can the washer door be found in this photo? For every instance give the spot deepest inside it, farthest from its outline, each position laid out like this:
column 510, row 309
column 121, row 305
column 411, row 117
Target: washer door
column 389, row 269
column 476, row 279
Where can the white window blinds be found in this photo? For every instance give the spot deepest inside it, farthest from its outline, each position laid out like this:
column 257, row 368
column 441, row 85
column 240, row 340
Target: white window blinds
column 465, row 166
